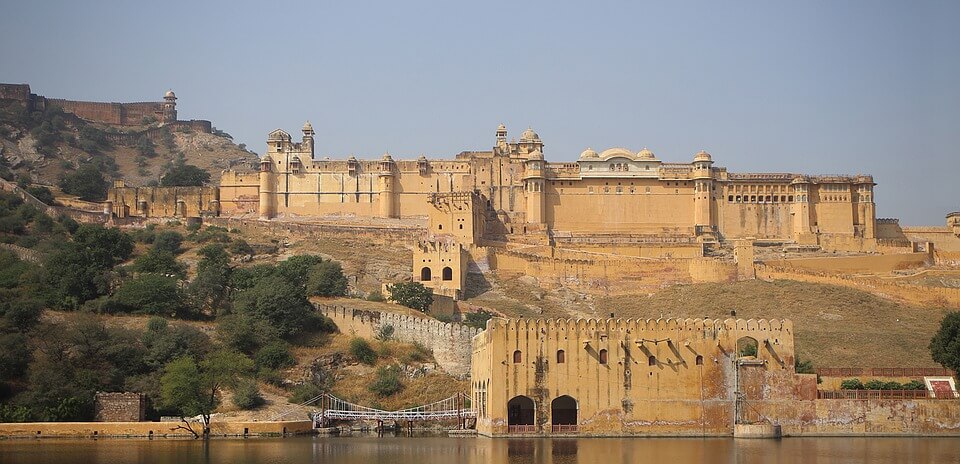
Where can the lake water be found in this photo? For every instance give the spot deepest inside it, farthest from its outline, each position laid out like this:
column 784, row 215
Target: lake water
column 430, row 450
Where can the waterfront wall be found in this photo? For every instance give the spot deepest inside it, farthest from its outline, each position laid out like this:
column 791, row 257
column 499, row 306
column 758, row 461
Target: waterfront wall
column 449, row 342
column 147, row 429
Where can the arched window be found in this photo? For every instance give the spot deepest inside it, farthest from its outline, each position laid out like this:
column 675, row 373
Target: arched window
column 447, row 273
column 652, row 360
column 425, row 274
column 561, row 357
column 603, row 356
column 699, row 360
column 517, row 357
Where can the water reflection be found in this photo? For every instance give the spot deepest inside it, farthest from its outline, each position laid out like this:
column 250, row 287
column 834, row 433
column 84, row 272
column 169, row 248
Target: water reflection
column 430, row 450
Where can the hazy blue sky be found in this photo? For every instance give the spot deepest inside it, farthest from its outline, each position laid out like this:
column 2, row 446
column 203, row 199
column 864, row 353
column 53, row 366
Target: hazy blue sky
column 815, row 87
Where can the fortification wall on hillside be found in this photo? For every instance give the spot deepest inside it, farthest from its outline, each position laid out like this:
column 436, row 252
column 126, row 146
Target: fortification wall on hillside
column 922, row 295
column 303, row 229
column 599, row 271
column 869, row 263
column 449, row 342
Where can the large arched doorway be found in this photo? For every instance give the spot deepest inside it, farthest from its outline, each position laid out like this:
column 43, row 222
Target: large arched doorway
column 520, row 415
column 563, row 414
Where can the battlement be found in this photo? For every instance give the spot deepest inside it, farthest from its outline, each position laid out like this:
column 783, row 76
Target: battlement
column 682, row 328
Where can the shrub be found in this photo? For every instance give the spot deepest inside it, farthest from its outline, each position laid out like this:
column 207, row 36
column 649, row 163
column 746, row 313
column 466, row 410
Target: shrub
column 914, row 385
column 169, row 241
column 361, row 350
column 275, row 355
column 240, row 247
column 327, row 279
column 184, row 175
column 387, row 382
column 874, row 385
column 305, row 392
column 385, row 332
column 153, row 294
column 247, row 396
column 376, row 296
column 41, row 193
column 87, row 183
column 419, row 354
column 803, row 367
column 851, row 384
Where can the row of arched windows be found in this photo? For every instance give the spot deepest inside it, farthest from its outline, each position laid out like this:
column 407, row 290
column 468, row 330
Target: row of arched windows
column 426, row 274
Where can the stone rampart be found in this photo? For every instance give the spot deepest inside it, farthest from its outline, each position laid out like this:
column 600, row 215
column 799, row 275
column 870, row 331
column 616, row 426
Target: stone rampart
column 23, row 254
column 450, row 342
column 917, row 294
column 304, row 229
column 599, row 270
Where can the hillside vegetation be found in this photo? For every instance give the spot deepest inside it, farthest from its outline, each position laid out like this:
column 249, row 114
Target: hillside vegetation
column 177, row 313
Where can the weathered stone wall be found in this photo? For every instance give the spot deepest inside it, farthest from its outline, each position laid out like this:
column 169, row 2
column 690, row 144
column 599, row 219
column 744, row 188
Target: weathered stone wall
column 923, row 295
column 119, row 407
column 598, row 270
column 304, row 229
column 450, row 342
column 871, row 263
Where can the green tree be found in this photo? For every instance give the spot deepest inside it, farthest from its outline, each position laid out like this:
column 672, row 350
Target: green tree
column 297, row 268
column 280, row 303
column 327, row 279
column 478, row 319
column 164, row 342
column 945, row 344
column 184, row 175
column 169, row 241
column 159, row 261
column 193, row 389
column 209, row 288
column 412, row 295
column 81, row 270
column 153, row 294
column 41, row 193
column 87, row 183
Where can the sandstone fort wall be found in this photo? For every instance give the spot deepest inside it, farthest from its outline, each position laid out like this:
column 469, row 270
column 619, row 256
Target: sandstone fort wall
column 854, row 264
column 922, row 295
column 450, row 343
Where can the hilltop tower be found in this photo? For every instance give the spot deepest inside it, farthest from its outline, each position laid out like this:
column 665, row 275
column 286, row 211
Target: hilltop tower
column 703, row 193
column 169, row 107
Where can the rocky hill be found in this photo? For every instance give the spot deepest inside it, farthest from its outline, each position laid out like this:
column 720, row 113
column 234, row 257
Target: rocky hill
column 46, row 145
